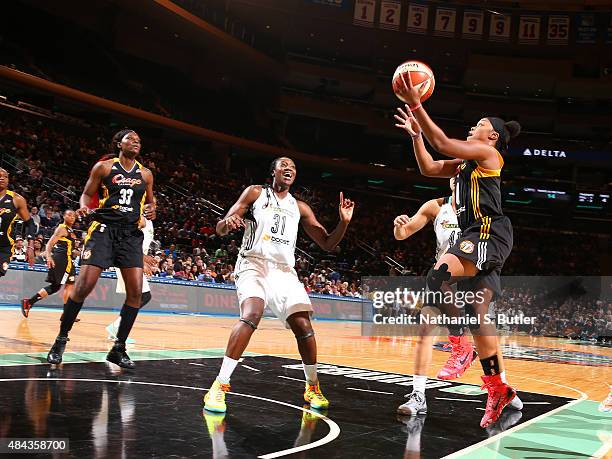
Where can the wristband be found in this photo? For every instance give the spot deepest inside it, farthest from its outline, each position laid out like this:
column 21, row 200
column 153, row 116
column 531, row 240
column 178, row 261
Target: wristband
column 412, row 109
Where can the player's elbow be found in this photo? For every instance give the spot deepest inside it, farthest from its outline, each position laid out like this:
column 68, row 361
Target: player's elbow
column 430, row 170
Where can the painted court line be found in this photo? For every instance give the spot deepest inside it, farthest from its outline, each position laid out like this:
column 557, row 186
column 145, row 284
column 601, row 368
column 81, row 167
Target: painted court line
column 250, row 368
column 295, row 379
column 536, row 403
column 334, row 429
column 373, row 391
column 498, row 437
column 460, row 399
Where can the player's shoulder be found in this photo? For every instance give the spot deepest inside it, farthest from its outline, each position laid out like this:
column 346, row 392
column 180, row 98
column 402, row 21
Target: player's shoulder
column 17, row 198
column 103, row 167
column 252, row 192
column 143, row 169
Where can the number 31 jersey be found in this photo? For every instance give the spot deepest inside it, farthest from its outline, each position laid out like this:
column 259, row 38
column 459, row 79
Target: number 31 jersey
column 122, row 195
column 271, row 228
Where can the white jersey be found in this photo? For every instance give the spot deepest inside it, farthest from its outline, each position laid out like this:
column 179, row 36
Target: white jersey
column 271, row 228
column 149, row 234
column 446, row 227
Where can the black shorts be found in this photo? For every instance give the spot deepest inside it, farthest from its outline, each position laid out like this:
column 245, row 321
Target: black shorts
column 112, row 245
column 63, row 272
column 487, row 244
column 5, row 257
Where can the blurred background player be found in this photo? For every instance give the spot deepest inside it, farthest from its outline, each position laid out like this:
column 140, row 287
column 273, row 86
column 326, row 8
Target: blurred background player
column 59, row 261
column 13, row 205
column 442, row 212
column 265, row 273
column 146, row 226
column 486, row 233
column 113, row 239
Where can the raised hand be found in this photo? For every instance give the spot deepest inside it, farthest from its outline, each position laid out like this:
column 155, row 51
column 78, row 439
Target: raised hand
column 408, row 122
column 345, row 208
column 410, row 93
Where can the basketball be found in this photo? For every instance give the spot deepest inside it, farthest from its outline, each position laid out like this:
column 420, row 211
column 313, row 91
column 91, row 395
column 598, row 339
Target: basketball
column 421, row 75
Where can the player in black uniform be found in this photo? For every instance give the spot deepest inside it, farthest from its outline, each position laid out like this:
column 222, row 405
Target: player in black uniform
column 59, row 261
column 125, row 188
column 486, row 234
column 13, row 205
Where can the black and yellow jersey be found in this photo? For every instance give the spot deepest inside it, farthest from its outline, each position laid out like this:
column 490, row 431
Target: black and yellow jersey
column 478, row 195
column 122, row 195
column 64, row 244
column 8, row 215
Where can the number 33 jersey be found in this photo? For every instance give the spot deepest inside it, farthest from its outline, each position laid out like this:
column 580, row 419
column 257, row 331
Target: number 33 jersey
column 122, row 195
column 271, row 228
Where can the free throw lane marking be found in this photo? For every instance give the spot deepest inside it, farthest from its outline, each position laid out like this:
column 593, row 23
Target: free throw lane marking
column 373, row 391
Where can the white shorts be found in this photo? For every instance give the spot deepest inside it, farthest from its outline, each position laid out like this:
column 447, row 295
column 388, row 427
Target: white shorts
column 277, row 284
column 121, row 283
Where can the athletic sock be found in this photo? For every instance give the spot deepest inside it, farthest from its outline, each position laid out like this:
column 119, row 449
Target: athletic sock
column 418, row 383
column 310, row 371
column 71, row 311
column 227, row 368
column 128, row 317
column 36, row 298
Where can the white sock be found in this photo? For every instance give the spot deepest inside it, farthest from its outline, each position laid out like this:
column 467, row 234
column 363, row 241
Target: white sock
column 418, row 383
column 310, row 371
column 227, row 368
column 502, row 375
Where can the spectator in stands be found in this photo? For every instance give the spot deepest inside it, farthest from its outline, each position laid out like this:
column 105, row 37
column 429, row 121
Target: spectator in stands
column 19, row 252
column 35, row 216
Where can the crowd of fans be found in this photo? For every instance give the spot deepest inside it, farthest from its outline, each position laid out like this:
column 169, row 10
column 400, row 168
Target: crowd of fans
column 585, row 316
column 49, row 163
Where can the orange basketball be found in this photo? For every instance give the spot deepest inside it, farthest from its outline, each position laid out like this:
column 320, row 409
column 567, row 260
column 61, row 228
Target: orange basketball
column 421, row 75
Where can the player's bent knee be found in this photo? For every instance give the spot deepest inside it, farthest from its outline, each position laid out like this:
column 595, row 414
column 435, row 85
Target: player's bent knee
column 53, row 288
column 437, row 276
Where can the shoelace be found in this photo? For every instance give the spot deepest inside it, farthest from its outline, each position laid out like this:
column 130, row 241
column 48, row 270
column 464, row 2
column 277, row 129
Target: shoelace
column 414, row 395
column 316, row 389
column 456, row 351
column 490, row 399
column 223, row 388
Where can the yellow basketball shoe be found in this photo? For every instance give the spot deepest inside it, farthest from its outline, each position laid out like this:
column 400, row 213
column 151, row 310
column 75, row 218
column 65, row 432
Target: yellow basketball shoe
column 315, row 397
column 214, row 400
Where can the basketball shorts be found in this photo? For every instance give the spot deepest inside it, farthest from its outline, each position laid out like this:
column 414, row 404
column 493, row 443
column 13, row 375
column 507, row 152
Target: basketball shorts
column 275, row 283
column 121, row 283
column 112, row 245
column 487, row 243
column 63, row 272
column 6, row 253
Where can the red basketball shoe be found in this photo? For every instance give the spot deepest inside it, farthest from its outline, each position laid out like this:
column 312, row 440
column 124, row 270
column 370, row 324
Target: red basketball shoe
column 500, row 395
column 462, row 357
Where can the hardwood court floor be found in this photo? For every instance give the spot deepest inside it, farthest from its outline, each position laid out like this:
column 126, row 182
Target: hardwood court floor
column 102, row 407
column 339, row 343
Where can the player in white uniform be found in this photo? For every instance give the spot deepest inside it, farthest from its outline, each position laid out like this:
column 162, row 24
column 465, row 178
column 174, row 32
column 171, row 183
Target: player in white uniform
column 265, row 275
column 146, row 226
column 446, row 227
